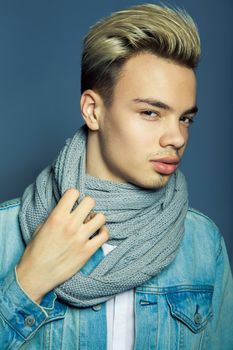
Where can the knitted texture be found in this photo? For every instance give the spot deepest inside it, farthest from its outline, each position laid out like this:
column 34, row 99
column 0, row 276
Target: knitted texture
column 146, row 225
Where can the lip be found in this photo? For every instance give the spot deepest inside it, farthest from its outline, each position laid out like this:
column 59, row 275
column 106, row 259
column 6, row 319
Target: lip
column 167, row 160
column 166, row 165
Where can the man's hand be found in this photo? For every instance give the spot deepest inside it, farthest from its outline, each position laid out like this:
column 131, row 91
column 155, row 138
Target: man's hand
column 61, row 245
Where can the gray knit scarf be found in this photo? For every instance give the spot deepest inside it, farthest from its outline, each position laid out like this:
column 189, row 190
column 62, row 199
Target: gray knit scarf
column 146, row 225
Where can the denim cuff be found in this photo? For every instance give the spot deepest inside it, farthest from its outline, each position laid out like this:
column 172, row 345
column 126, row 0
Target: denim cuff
column 23, row 314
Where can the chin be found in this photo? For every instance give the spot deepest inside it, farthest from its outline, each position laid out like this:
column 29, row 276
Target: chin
column 156, row 181
column 159, row 182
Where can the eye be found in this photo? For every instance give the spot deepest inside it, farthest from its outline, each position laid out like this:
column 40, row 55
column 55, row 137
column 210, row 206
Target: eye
column 187, row 120
column 150, row 114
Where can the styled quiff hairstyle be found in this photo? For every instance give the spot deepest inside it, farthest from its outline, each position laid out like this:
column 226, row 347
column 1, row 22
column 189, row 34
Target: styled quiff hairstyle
column 166, row 32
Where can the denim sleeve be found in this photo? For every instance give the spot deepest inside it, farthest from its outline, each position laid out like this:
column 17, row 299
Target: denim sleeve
column 20, row 316
column 221, row 336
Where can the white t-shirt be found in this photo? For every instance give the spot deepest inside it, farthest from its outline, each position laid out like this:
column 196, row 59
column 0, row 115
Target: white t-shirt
column 120, row 317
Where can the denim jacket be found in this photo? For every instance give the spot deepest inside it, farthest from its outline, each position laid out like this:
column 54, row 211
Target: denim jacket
column 188, row 305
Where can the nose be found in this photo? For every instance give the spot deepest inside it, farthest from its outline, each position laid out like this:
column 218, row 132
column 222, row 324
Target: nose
column 173, row 134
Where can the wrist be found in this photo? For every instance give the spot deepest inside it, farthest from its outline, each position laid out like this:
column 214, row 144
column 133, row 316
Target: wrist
column 28, row 285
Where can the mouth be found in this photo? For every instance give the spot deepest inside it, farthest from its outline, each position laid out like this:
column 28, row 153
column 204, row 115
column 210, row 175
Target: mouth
column 165, row 165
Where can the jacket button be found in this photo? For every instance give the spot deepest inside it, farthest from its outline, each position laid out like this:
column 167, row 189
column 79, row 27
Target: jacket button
column 29, row 321
column 96, row 307
column 197, row 318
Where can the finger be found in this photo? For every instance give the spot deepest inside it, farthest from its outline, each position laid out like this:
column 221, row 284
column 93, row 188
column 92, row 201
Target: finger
column 89, row 217
column 98, row 240
column 79, row 214
column 67, row 201
column 94, row 224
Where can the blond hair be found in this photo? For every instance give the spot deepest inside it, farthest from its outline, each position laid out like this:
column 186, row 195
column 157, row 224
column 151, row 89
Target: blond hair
column 167, row 32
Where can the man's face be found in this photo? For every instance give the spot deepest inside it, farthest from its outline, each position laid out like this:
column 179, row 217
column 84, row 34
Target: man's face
column 154, row 100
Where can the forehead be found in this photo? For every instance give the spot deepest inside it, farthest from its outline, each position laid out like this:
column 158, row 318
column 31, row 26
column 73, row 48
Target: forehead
column 149, row 76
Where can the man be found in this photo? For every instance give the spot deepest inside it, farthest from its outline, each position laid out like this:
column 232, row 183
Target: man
column 103, row 250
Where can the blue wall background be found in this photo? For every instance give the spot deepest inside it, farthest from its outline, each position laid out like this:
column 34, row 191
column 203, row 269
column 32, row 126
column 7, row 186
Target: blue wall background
column 40, row 45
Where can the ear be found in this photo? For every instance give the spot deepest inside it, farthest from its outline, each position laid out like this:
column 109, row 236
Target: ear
column 92, row 108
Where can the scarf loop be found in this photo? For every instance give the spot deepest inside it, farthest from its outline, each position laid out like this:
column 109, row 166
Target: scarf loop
column 146, row 225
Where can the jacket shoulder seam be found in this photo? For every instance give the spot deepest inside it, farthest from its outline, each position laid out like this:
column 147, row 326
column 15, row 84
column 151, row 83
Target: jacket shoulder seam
column 10, row 203
column 195, row 211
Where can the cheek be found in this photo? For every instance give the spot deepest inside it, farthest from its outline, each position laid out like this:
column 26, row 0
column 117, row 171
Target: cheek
column 118, row 132
column 131, row 137
column 127, row 136
column 120, row 144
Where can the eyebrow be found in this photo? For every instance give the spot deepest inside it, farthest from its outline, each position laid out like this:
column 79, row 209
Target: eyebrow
column 160, row 104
